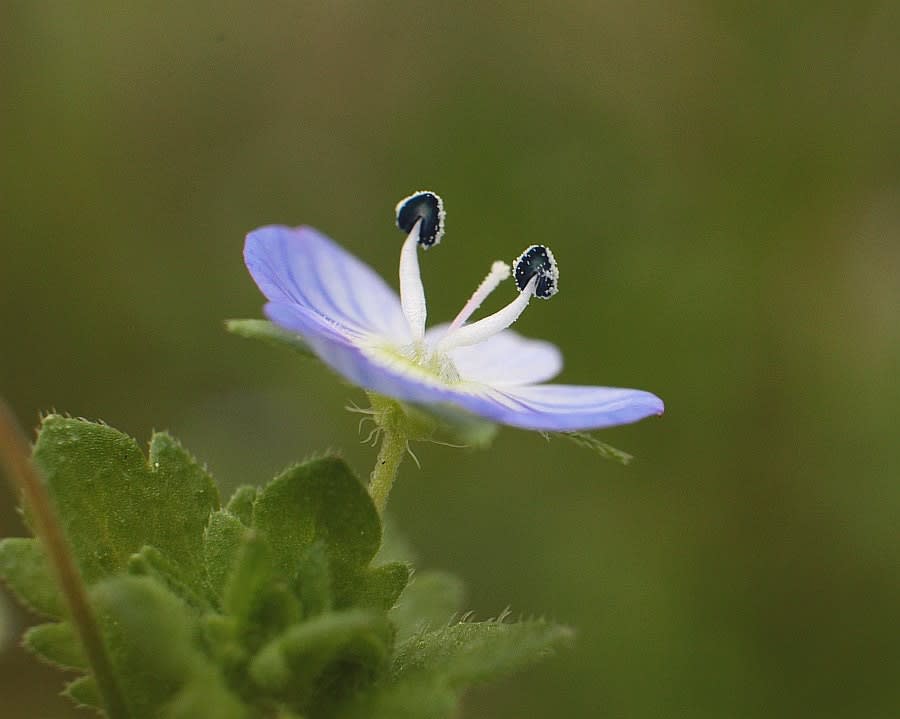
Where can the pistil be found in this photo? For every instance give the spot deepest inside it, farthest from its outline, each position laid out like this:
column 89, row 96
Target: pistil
column 499, row 272
column 489, row 326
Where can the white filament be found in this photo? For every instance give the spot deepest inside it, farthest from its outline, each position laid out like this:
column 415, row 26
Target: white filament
column 499, row 272
column 489, row 326
column 412, row 293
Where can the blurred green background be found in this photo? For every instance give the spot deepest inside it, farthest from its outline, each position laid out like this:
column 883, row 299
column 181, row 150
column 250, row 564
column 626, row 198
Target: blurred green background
column 720, row 183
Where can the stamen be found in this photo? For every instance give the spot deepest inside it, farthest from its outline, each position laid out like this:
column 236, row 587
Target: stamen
column 499, row 272
column 412, row 293
column 422, row 216
column 428, row 207
column 536, row 274
column 538, row 261
column 489, row 326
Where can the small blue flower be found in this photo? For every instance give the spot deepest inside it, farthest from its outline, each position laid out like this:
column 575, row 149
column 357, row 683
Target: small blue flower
column 359, row 326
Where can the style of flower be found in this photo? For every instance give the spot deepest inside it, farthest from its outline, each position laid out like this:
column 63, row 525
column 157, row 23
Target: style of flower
column 358, row 326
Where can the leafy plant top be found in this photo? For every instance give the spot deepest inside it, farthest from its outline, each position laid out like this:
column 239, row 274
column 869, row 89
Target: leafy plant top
column 270, row 606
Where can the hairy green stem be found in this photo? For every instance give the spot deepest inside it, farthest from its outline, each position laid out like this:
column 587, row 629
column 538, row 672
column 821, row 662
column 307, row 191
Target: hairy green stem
column 393, row 448
column 15, row 452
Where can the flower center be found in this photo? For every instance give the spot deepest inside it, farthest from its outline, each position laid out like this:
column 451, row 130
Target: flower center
column 418, row 358
column 421, row 215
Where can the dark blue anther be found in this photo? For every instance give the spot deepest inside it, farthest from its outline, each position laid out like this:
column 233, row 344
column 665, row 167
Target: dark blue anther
column 537, row 260
column 429, row 208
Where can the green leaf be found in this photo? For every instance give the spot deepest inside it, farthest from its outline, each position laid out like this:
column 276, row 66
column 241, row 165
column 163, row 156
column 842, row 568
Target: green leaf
column 150, row 636
column 205, row 695
column 269, row 333
column 591, row 442
column 454, row 427
column 221, row 542
column 355, row 643
column 430, row 600
column 469, row 652
column 83, row 691
column 241, row 503
column 24, row 569
column 312, row 585
column 322, row 501
column 148, row 632
column 378, row 588
column 57, row 644
column 112, row 501
column 259, row 603
column 252, row 574
column 149, row 562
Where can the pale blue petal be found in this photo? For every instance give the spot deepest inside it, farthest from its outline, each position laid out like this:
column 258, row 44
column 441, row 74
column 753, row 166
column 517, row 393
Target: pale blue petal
column 301, row 266
column 542, row 407
column 359, row 364
column 570, row 408
column 507, row 358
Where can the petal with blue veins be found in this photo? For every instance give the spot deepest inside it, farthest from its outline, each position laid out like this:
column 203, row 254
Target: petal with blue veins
column 561, row 408
column 302, row 267
column 571, row 408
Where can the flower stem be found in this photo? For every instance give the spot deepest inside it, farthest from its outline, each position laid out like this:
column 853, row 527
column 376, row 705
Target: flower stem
column 393, row 448
column 25, row 477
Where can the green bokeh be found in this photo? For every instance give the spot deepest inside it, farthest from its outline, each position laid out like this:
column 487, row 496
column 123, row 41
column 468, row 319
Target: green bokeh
column 720, row 183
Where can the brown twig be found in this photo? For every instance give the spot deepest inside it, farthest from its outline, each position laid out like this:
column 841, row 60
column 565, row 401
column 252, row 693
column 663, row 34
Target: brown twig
column 15, row 453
